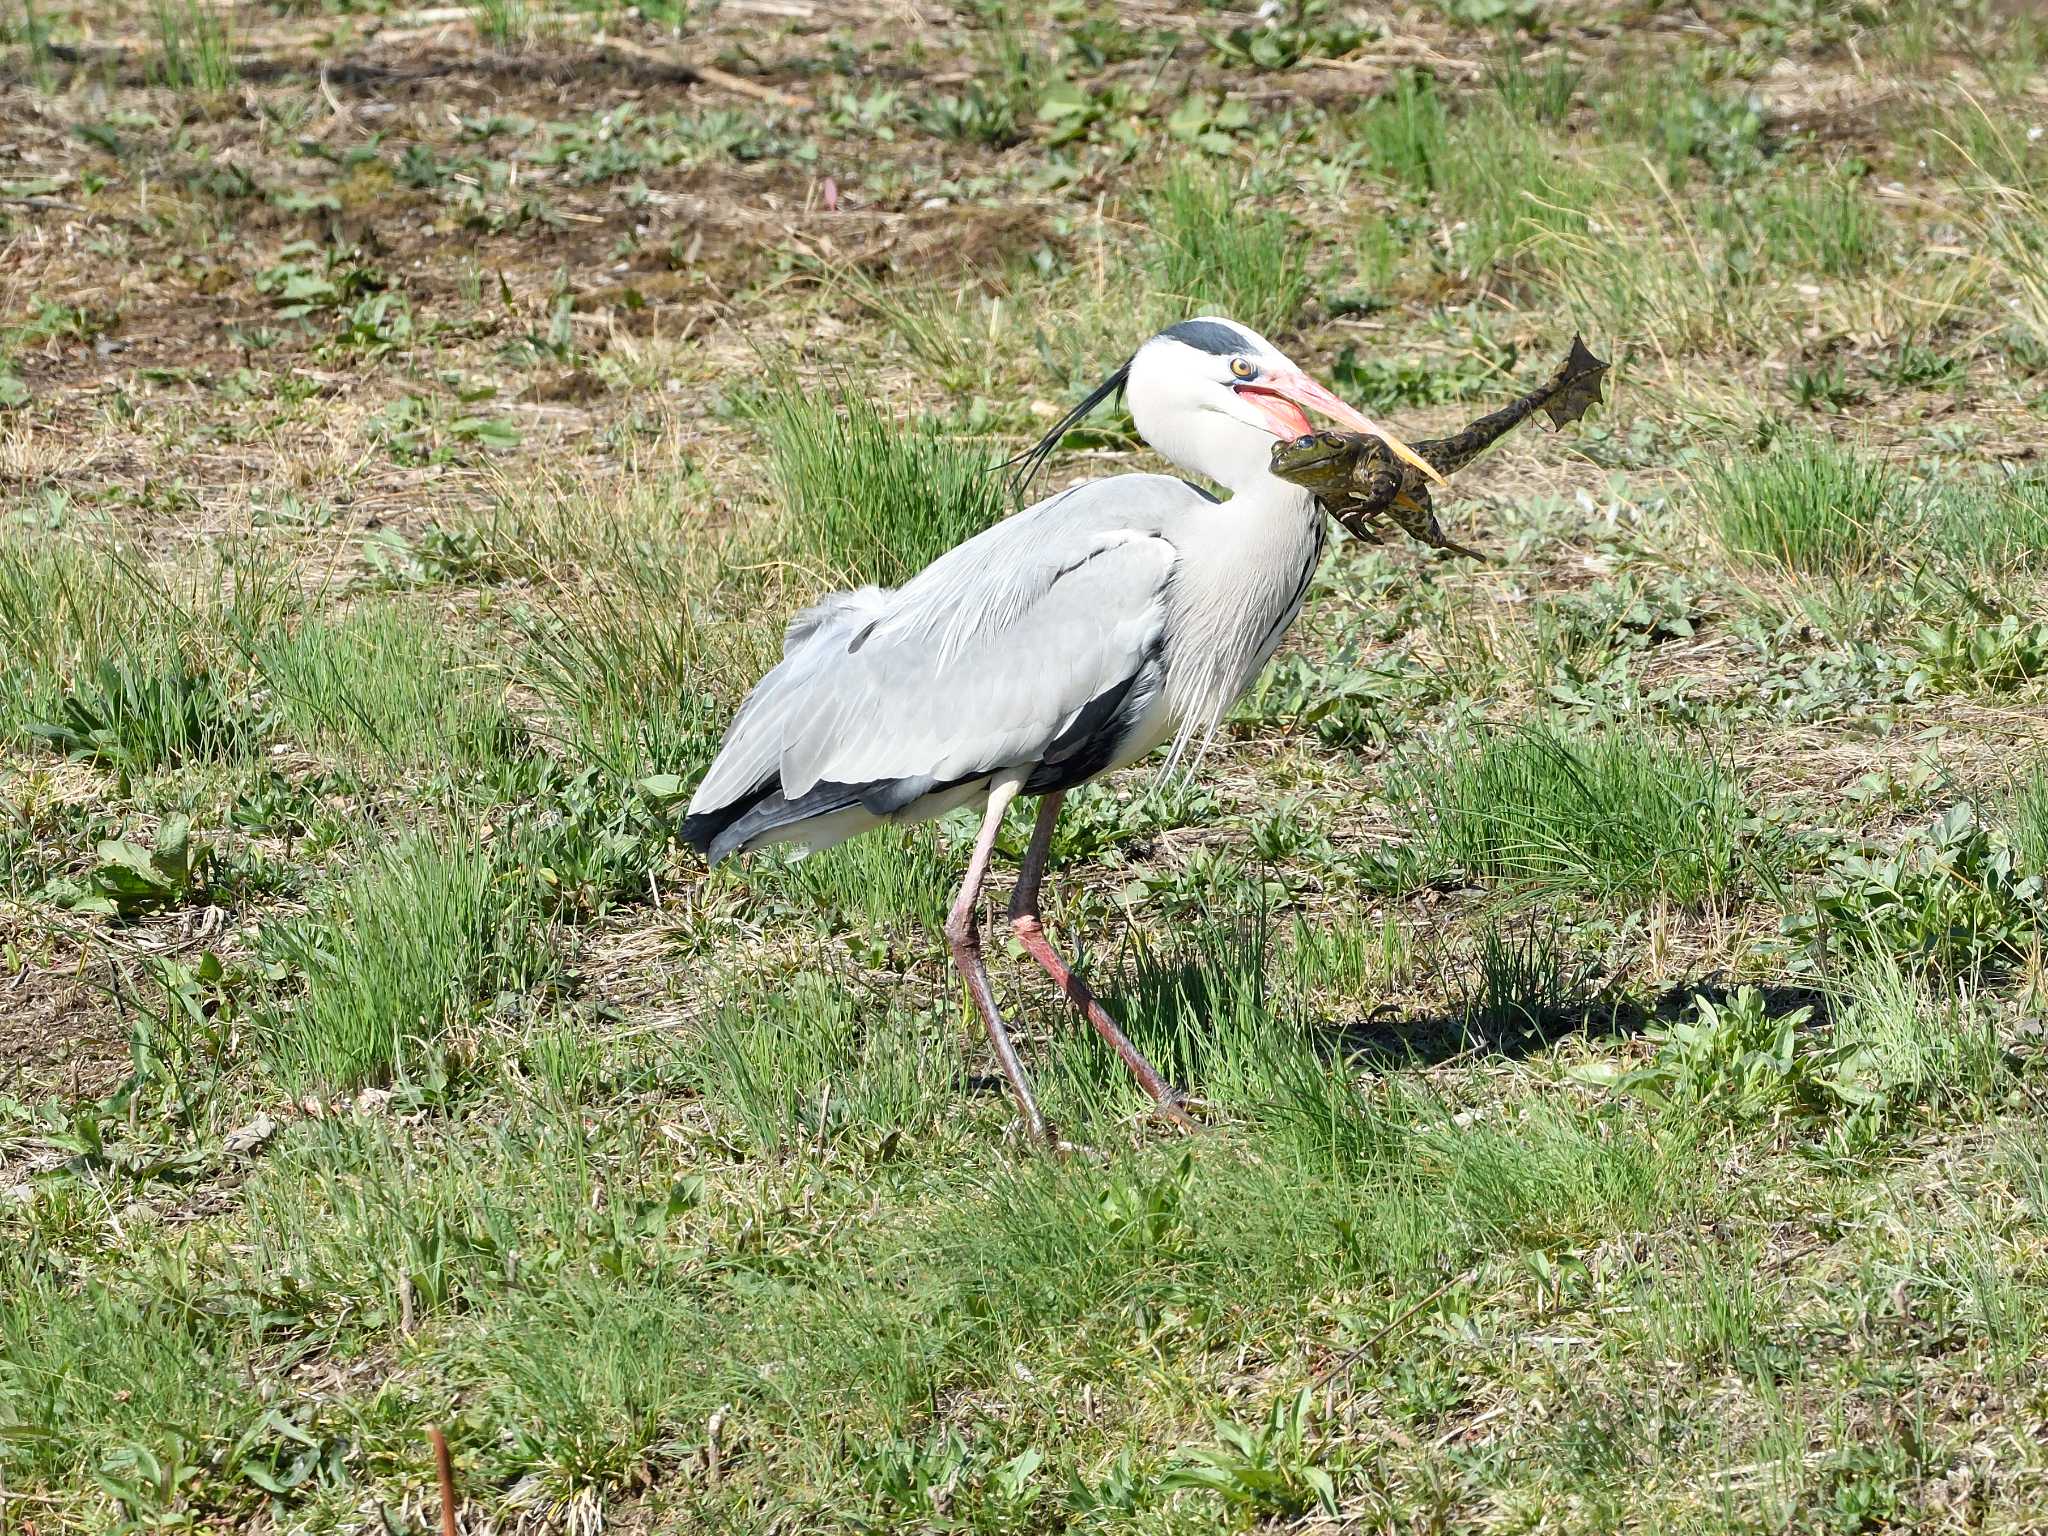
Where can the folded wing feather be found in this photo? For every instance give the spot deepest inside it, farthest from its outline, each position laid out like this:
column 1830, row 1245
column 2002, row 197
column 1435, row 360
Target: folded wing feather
column 978, row 663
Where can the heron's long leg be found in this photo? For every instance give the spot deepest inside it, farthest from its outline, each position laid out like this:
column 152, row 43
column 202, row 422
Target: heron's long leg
column 963, row 935
column 1024, row 923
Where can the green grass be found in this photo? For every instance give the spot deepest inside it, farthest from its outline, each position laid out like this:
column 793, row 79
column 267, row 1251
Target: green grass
column 612, row 1373
column 130, row 1385
column 2008, row 221
column 387, row 684
column 1699, row 286
column 402, row 963
column 194, row 51
column 1996, row 525
column 135, row 716
column 33, row 32
column 1210, row 250
column 1405, row 133
column 65, row 607
column 1621, row 815
column 812, row 1061
column 886, row 881
column 1913, row 1048
column 2028, row 819
column 1808, row 506
column 1544, row 95
column 1525, row 985
column 508, row 23
column 1492, row 170
column 108, row 661
column 870, row 497
column 646, row 633
column 1825, row 223
column 629, row 687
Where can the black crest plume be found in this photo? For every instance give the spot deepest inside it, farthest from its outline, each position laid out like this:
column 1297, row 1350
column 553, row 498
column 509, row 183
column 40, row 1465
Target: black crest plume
column 1032, row 459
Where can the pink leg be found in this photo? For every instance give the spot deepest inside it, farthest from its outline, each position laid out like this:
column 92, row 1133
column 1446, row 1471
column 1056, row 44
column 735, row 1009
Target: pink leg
column 963, row 935
column 1024, row 923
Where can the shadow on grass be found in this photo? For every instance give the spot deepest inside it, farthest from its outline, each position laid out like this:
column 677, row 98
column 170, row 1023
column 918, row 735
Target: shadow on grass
column 1518, row 993
column 1389, row 1038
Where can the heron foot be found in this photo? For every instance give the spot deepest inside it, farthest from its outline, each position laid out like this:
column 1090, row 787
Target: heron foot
column 1174, row 1109
column 1033, row 1130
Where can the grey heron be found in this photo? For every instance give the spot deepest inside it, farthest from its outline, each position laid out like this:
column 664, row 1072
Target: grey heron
column 1072, row 638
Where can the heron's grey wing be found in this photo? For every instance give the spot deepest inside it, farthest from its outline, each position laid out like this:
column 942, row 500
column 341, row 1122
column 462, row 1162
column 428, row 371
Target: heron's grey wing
column 751, row 754
column 977, row 588
column 911, row 708
column 1005, row 641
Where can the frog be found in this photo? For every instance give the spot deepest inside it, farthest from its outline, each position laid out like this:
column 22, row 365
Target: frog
column 1360, row 482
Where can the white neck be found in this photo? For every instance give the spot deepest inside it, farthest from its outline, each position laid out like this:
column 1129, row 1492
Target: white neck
column 1262, row 497
column 1236, row 589
column 1235, row 454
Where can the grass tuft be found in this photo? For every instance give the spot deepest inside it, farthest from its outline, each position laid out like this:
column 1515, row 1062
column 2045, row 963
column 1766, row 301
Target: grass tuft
column 194, row 51
column 1901, row 1042
column 1807, row 505
column 401, row 963
column 1527, row 985
column 1405, row 132
column 812, row 1061
column 508, row 23
column 2027, row 819
column 120, row 1384
column 385, row 684
column 133, row 716
column 65, row 609
column 1622, row 815
column 871, row 499
column 603, row 1376
column 1995, row 526
column 629, row 685
column 1214, row 251
column 1823, row 223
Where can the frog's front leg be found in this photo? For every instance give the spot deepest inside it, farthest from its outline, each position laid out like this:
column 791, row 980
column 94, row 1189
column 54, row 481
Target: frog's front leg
column 1366, row 502
column 1364, row 523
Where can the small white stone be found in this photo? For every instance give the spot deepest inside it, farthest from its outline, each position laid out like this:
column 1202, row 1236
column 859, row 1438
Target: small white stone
column 247, row 1138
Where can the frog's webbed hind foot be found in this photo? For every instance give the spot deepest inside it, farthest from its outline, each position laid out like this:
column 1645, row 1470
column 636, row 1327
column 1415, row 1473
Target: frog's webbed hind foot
column 1577, row 389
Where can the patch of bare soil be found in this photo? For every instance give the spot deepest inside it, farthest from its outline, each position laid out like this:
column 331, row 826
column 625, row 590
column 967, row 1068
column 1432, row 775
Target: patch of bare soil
column 60, row 1031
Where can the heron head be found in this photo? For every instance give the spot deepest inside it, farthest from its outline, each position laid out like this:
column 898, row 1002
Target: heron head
column 1213, row 395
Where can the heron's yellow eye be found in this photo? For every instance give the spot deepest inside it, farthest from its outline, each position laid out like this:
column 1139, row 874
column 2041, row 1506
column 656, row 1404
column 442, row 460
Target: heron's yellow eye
column 1243, row 367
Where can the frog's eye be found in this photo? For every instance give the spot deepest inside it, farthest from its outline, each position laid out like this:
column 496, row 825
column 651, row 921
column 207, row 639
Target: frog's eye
column 1331, row 440
column 1243, row 368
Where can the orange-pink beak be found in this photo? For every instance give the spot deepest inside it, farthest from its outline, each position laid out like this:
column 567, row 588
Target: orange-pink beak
column 1285, row 398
